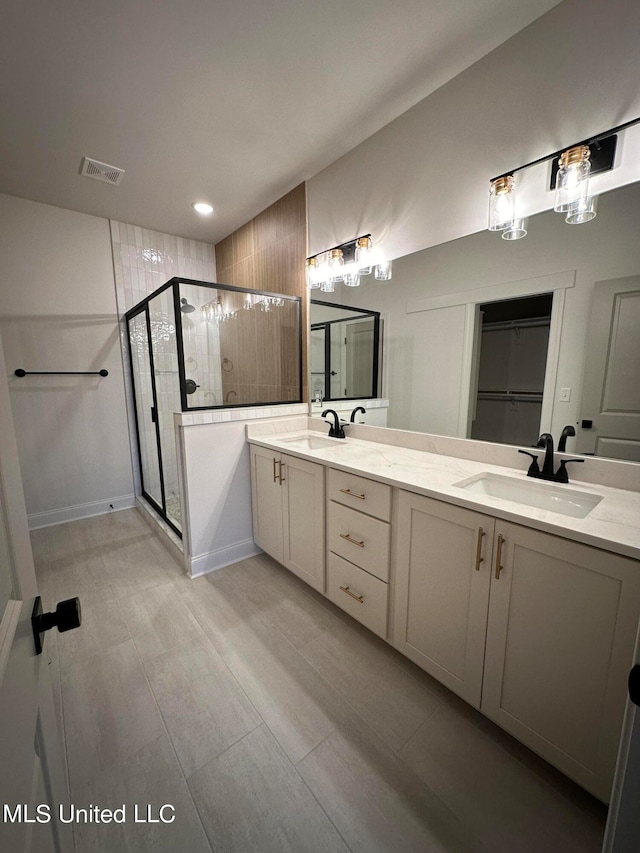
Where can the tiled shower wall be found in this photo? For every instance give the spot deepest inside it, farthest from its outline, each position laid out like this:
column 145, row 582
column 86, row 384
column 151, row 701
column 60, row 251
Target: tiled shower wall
column 143, row 260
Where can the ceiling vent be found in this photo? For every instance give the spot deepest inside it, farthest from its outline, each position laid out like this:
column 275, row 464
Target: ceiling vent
column 101, row 171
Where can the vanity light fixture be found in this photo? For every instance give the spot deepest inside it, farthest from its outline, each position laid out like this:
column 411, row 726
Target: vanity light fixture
column 202, row 207
column 571, row 170
column 346, row 264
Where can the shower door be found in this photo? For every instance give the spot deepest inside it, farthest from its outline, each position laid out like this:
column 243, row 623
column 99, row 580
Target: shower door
column 164, row 349
column 146, row 408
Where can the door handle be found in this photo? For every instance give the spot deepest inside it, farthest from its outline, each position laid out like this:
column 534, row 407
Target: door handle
column 154, row 416
column 479, row 557
column 499, row 566
column 67, row 616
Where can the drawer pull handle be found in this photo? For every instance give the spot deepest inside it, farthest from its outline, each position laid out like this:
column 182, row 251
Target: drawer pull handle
column 359, row 598
column 353, row 494
column 275, row 476
column 357, row 542
column 499, row 567
column 479, row 557
column 281, row 478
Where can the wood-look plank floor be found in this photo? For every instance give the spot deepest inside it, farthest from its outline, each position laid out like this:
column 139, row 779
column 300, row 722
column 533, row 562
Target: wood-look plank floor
column 270, row 720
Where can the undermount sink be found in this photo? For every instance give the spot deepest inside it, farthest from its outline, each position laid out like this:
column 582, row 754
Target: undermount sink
column 564, row 500
column 313, row 442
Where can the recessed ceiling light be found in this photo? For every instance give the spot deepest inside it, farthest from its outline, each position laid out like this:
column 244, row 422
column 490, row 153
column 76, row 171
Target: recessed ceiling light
column 202, row 207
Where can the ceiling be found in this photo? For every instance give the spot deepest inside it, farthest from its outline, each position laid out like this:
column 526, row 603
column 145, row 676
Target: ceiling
column 229, row 101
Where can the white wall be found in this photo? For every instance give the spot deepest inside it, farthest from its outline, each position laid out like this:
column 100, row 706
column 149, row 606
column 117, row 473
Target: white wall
column 424, row 178
column 59, row 313
column 423, row 351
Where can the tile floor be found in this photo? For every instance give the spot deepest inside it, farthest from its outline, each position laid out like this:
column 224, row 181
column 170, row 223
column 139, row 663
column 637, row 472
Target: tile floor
column 270, row 720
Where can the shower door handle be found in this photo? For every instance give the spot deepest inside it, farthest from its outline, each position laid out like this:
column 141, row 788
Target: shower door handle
column 154, row 416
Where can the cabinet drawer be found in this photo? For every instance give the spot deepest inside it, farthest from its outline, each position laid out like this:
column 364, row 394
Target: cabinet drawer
column 360, row 539
column 358, row 593
column 360, row 493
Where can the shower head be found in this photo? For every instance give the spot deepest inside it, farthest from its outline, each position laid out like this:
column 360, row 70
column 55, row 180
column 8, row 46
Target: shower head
column 185, row 307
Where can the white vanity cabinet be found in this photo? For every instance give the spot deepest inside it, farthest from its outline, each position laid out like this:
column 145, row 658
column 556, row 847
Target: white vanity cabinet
column 358, row 541
column 441, row 590
column 535, row 630
column 287, row 498
column 561, row 635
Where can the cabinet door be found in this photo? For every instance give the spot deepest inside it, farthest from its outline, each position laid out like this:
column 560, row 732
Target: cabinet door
column 561, row 634
column 442, row 578
column 266, row 501
column 303, row 520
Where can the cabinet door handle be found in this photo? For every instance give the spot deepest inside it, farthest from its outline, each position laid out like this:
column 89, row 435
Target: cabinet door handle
column 353, row 494
column 479, row 557
column 353, row 541
column 281, row 478
column 275, row 476
column 499, row 567
column 359, row 598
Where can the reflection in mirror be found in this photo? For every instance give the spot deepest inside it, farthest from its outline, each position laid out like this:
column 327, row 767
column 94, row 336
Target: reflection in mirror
column 240, row 348
column 512, row 358
column 344, row 352
column 433, row 341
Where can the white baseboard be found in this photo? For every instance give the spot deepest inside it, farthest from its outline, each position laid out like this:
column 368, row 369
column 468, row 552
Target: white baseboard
column 74, row 513
column 202, row 564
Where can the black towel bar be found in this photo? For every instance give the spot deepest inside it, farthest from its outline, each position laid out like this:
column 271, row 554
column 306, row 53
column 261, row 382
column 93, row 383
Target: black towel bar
column 20, row 372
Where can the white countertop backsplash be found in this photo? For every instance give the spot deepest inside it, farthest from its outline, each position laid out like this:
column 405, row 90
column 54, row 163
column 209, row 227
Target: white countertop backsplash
column 430, row 465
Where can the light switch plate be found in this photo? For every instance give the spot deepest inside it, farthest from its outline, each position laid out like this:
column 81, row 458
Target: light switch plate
column 565, row 395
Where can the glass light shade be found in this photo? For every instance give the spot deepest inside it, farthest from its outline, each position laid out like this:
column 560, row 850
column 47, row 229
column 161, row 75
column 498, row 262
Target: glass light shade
column 323, row 273
column 351, row 279
column 336, row 261
column 248, row 302
column 572, row 180
column 311, row 273
column 517, row 230
column 502, row 203
column 363, row 255
column 581, row 211
column 382, row 271
column 328, row 286
column 336, row 264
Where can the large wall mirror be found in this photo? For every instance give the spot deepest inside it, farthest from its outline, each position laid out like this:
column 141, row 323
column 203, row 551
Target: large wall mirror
column 497, row 340
column 343, row 351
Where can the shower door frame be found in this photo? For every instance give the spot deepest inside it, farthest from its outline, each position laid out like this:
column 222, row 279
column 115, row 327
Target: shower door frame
column 142, row 307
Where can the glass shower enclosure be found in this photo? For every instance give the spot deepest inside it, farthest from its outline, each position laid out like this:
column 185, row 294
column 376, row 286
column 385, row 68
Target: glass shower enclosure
column 197, row 346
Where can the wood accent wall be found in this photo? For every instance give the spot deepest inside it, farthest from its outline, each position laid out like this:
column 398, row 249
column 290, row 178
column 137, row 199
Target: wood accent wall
column 267, row 253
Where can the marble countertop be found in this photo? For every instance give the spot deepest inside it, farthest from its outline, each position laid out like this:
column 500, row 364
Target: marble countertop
column 614, row 524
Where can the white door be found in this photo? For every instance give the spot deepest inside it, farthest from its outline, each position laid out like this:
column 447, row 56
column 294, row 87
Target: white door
column 31, row 762
column 611, row 392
